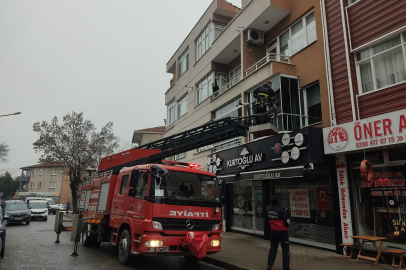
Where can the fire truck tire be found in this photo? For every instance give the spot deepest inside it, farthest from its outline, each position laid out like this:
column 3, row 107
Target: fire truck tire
column 191, row 259
column 89, row 241
column 124, row 248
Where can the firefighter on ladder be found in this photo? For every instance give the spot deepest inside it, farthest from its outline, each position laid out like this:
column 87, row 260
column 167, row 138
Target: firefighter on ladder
column 264, row 96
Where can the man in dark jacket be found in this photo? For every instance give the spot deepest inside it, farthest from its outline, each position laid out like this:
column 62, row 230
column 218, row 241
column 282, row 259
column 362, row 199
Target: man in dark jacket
column 277, row 218
column 264, row 96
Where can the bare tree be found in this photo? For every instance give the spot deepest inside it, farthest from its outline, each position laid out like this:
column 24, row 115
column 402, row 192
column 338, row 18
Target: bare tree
column 74, row 142
column 4, row 152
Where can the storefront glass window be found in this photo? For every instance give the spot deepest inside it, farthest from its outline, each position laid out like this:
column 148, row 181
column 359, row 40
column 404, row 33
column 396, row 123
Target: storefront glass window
column 242, row 205
column 310, row 205
column 380, row 204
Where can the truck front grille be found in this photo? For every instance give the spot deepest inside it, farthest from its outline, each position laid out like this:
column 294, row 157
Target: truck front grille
column 175, row 224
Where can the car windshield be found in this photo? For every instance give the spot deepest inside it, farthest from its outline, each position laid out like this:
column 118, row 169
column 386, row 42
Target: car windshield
column 51, row 202
column 15, row 206
column 36, row 205
column 183, row 188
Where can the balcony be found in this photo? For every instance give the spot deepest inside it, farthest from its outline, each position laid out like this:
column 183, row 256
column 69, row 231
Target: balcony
column 23, row 179
column 272, row 57
column 226, row 87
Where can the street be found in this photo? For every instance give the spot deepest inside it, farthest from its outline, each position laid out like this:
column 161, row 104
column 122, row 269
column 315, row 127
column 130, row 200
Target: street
column 32, row 247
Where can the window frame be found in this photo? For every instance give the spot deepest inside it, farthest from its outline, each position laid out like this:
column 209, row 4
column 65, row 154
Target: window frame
column 201, row 39
column 169, row 107
column 40, row 172
column 126, row 184
column 32, row 185
column 209, row 78
column 370, row 58
column 182, row 100
column 52, row 184
column 38, row 184
column 304, row 110
column 303, row 19
column 184, row 56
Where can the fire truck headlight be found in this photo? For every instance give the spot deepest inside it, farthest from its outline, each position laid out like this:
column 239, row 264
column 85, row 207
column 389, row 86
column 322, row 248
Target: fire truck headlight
column 216, row 227
column 157, row 225
column 217, row 209
column 215, row 243
column 154, row 243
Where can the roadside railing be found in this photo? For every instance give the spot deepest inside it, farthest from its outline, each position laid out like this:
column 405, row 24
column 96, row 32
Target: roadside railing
column 272, row 57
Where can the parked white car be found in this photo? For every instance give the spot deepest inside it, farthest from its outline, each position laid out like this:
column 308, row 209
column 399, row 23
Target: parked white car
column 60, row 206
column 39, row 209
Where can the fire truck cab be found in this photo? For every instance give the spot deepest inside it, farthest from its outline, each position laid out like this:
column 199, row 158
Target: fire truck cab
column 150, row 209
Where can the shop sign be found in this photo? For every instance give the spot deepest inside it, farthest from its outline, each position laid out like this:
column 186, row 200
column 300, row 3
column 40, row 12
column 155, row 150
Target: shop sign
column 383, row 130
column 285, row 157
column 245, row 159
column 294, row 153
column 286, row 139
column 272, row 174
column 384, row 186
column 299, row 203
column 344, row 199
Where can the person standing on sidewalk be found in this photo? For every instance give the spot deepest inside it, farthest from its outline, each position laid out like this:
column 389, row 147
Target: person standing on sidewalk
column 67, row 207
column 277, row 218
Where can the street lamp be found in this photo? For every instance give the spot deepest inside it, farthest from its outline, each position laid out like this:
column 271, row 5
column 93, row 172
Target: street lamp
column 10, row 114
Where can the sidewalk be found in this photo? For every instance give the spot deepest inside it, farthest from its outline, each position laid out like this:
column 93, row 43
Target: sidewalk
column 241, row 251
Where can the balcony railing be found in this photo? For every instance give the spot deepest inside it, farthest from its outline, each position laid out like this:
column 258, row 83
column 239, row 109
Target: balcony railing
column 272, row 57
column 226, row 87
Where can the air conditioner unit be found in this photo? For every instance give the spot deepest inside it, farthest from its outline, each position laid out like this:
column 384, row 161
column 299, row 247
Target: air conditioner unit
column 255, row 37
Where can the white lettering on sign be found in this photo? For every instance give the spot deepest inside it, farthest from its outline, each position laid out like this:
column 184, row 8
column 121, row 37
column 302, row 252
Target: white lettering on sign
column 188, row 214
column 383, row 130
column 267, row 175
column 299, row 203
column 92, row 208
column 244, row 161
column 94, row 195
column 344, row 197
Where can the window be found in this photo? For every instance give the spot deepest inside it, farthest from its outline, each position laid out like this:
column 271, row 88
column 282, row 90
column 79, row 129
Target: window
column 295, row 38
column 179, row 156
column 32, row 172
column 313, row 107
column 183, row 62
column 54, row 171
column 204, row 89
column 382, row 65
column 182, row 106
column 39, row 185
column 40, row 172
column 124, row 182
column 218, row 28
column 353, row 1
column 203, row 42
column 171, row 113
column 32, row 184
column 142, row 185
column 235, row 75
column 52, row 184
column 232, row 109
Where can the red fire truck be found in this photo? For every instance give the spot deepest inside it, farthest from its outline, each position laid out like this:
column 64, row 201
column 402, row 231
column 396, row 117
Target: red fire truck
column 150, row 208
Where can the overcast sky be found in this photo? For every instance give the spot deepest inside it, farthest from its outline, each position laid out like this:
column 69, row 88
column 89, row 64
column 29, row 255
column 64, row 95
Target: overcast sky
column 105, row 58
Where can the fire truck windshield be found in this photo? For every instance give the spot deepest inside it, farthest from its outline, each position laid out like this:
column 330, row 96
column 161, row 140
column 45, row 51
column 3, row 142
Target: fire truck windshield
column 185, row 188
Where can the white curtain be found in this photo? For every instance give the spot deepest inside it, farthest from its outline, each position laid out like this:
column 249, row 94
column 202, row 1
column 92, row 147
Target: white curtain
column 389, row 67
column 366, row 77
column 297, row 37
column 311, row 29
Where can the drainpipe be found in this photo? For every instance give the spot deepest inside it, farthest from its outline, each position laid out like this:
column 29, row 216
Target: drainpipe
column 328, row 65
column 348, row 61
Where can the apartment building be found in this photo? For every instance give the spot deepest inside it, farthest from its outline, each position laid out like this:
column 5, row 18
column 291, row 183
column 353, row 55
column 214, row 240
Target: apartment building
column 367, row 64
column 46, row 180
column 241, row 49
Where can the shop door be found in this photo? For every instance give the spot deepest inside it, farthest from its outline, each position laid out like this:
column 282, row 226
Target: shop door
column 247, row 207
column 257, row 201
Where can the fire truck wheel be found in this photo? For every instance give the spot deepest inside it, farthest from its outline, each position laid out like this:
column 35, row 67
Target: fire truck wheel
column 191, row 259
column 124, row 248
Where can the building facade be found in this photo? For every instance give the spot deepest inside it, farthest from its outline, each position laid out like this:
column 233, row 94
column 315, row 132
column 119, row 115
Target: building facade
column 366, row 68
column 46, row 180
column 241, row 49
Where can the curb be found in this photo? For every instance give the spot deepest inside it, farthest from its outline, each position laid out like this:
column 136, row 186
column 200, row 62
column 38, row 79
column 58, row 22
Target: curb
column 223, row 264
